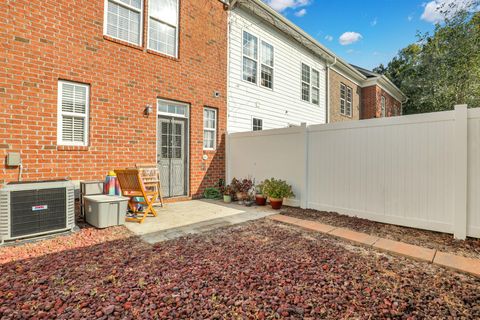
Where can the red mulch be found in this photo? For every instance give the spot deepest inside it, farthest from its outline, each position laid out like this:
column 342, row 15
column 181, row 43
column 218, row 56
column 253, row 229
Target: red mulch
column 429, row 239
column 259, row 270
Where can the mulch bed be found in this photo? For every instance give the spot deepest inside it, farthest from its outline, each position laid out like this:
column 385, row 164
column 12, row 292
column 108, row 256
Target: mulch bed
column 258, row 270
column 430, row 239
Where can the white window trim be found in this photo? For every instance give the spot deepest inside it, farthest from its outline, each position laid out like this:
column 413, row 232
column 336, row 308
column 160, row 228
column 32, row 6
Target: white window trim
column 210, row 129
column 105, row 20
column 310, row 84
column 259, row 62
column 253, row 126
column 61, row 113
column 176, row 31
column 383, row 106
column 345, row 100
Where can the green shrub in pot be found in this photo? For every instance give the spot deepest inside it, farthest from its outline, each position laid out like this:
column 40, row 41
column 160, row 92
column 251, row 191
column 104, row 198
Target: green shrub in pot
column 276, row 190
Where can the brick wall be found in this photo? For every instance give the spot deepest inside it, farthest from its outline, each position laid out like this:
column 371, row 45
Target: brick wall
column 372, row 105
column 43, row 41
column 335, row 80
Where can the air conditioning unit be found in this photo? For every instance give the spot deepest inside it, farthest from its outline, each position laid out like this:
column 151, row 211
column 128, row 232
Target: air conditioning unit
column 29, row 209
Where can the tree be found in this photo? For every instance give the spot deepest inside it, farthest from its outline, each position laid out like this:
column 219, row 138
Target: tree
column 443, row 69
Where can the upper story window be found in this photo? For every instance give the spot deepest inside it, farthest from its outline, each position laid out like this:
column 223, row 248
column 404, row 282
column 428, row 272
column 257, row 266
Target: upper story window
column 209, row 128
column 257, row 124
column 305, row 82
column 124, row 20
column 346, row 96
column 250, row 57
column 310, row 84
column 73, row 105
column 267, row 65
column 163, row 26
column 382, row 106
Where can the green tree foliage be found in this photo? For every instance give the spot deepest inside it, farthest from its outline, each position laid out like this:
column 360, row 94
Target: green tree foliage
column 442, row 69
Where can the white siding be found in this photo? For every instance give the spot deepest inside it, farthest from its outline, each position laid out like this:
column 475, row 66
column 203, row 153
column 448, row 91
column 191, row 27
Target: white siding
column 283, row 105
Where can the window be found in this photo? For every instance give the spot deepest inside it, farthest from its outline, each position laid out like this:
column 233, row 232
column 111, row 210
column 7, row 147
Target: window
column 310, row 84
column 267, row 65
column 73, row 105
column 383, row 107
column 257, row 124
column 209, row 128
column 124, row 20
column 305, row 82
column 345, row 100
column 250, row 57
column 163, row 26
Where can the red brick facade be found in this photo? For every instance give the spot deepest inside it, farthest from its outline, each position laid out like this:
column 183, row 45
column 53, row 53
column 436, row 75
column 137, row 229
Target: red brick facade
column 44, row 41
column 372, row 103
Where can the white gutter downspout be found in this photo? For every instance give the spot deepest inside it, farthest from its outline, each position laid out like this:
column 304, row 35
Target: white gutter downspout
column 327, row 104
column 401, row 105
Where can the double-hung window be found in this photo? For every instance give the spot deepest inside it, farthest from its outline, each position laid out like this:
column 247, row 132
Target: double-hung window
column 346, row 96
column 163, row 26
column 310, row 84
column 266, row 75
column 73, row 105
column 305, row 82
column 257, row 124
column 250, row 57
column 124, row 20
column 209, row 128
column 383, row 107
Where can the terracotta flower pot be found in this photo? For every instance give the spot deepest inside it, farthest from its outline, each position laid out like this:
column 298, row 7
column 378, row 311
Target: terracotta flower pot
column 240, row 196
column 260, row 200
column 276, row 203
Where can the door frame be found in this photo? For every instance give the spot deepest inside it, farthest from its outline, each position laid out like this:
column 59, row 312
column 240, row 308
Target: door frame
column 185, row 117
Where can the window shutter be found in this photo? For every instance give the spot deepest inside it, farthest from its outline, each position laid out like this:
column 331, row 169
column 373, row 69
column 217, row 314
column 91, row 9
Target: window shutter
column 73, row 113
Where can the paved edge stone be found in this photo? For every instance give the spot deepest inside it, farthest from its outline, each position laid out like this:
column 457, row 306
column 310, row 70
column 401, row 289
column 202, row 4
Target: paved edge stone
column 358, row 237
column 405, row 249
column 464, row 264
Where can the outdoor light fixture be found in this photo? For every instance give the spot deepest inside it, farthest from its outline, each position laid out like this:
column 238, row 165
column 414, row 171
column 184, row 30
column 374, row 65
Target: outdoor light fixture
column 148, row 110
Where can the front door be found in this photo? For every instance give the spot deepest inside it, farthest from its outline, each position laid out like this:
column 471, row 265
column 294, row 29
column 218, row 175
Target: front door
column 172, row 159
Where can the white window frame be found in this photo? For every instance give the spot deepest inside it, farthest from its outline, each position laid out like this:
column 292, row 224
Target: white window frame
column 345, row 100
column 262, row 64
column 253, row 123
column 258, row 60
column 176, row 30
column 383, row 106
column 61, row 113
column 214, row 130
column 140, row 11
column 309, row 83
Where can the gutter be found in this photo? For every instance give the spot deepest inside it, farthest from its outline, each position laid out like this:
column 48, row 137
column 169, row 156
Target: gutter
column 327, row 96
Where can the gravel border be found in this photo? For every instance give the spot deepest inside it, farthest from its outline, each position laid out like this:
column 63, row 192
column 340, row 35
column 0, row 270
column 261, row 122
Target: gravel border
column 429, row 239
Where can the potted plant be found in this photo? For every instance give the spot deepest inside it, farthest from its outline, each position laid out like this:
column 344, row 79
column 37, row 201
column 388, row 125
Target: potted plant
column 227, row 194
column 241, row 188
column 276, row 190
column 260, row 198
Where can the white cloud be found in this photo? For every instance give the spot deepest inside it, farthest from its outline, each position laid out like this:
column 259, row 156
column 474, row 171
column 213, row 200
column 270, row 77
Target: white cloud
column 410, row 18
column 434, row 11
column 349, row 38
column 281, row 5
column 301, row 12
column 328, row 37
column 374, row 22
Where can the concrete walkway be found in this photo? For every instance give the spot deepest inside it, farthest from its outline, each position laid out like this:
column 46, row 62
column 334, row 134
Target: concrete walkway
column 459, row 263
column 195, row 216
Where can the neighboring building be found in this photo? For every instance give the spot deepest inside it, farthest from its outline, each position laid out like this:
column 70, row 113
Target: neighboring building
column 281, row 76
column 77, row 77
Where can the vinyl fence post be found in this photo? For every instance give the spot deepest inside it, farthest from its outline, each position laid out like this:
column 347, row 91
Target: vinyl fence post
column 227, row 158
column 304, row 163
column 461, row 174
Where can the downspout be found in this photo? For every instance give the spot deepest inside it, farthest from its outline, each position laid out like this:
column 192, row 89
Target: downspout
column 327, row 81
column 401, row 105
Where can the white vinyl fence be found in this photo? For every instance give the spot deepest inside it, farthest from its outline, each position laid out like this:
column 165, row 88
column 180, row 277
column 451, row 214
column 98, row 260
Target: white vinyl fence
column 420, row 171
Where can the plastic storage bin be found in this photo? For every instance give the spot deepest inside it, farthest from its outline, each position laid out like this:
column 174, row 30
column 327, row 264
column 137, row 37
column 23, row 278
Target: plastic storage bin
column 104, row 211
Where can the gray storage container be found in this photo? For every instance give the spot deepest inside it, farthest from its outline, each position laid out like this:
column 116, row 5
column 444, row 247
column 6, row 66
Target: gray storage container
column 89, row 188
column 104, row 211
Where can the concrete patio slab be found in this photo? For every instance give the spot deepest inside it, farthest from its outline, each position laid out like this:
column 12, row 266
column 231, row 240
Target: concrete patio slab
column 468, row 265
column 406, row 250
column 354, row 236
column 195, row 216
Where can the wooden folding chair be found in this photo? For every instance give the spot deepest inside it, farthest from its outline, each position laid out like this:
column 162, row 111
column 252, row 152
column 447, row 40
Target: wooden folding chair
column 151, row 179
column 132, row 186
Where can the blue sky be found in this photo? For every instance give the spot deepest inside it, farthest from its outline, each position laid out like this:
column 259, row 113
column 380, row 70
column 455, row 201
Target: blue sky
column 363, row 32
